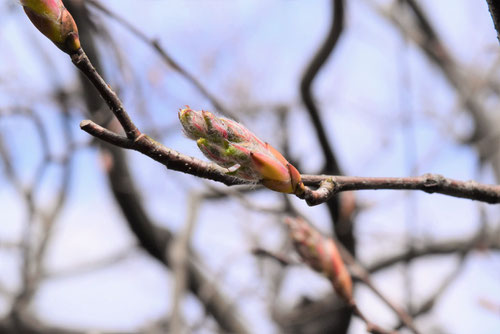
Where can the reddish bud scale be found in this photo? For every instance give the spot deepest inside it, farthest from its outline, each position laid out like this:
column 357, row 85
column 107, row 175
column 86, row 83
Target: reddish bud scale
column 321, row 254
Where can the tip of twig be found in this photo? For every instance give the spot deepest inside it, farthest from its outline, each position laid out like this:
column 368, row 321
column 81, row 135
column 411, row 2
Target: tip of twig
column 85, row 123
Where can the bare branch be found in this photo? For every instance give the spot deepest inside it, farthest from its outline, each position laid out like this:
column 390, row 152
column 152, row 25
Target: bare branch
column 438, row 248
column 114, row 103
column 445, row 284
column 429, row 183
column 370, row 326
column 281, row 259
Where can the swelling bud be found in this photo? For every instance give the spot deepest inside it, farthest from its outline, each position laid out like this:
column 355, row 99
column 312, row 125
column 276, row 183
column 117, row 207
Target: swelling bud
column 53, row 20
column 229, row 144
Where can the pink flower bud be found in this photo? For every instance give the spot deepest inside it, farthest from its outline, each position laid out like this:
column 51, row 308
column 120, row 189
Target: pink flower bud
column 230, row 144
column 321, row 254
column 53, row 20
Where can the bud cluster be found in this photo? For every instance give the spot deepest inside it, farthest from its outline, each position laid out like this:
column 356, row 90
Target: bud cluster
column 231, row 145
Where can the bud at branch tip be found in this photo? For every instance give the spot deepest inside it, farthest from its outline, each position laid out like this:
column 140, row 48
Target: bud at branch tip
column 53, row 20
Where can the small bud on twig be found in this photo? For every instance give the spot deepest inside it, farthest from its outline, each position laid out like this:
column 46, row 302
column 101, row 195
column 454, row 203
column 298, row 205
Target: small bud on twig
column 53, row 20
column 322, row 255
column 231, row 145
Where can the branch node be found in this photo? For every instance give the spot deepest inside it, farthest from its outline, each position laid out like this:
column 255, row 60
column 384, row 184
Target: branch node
column 327, row 188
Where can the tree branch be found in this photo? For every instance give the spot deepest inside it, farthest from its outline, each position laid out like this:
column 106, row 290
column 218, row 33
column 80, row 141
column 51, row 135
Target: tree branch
column 429, row 183
column 337, row 25
column 439, row 248
column 114, row 103
column 494, row 8
column 170, row 158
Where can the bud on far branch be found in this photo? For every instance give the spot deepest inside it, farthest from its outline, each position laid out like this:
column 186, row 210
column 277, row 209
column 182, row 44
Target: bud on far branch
column 53, row 20
column 321, row 254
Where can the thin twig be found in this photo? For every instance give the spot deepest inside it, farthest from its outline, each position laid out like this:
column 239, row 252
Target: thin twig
column 363, row 275
column 279, row 258
column 114, row 103
column 325, row 191
column 445, row 284
column 488, row 241
column 370, row 326
column 429, row 183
